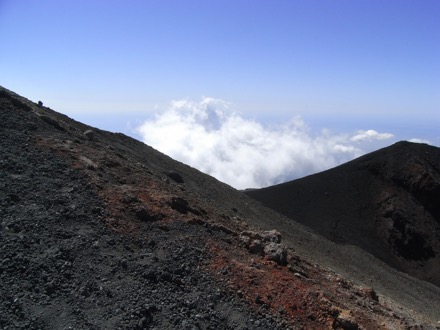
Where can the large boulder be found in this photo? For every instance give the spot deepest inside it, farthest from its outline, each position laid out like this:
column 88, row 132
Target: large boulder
column 266, row 244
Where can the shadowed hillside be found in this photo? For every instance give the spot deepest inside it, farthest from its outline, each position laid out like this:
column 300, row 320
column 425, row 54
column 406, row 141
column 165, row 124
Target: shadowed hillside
column 386, row 202
column 100, row 231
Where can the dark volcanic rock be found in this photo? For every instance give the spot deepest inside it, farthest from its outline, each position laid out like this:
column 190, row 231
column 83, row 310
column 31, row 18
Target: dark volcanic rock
column 175, row 176
column 63, row 267
column 386, row 202
column 93, row 237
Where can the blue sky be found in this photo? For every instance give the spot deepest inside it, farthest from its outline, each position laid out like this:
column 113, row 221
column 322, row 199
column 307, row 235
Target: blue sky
column 342, row 66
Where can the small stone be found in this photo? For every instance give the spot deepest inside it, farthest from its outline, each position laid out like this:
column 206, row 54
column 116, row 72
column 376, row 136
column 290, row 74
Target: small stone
column 90, row 135
column 346, row 321
column 175, row 176
column 272, row 236
column 142, row 322
column 276, row 252
column 369, row 293
column 14, row 198
column 180, row 205
column 256, row 247
column 258, row 300
column 143, row 215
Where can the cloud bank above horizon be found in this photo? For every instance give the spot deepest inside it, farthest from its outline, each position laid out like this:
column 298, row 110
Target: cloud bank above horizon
column 244, row 153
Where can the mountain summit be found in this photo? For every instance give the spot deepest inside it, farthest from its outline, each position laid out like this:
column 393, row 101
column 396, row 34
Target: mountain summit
column 386, row 202
column 100, row 231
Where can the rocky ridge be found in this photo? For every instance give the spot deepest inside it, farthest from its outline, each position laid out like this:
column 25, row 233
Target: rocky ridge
column 99, row 231
column 385, row 202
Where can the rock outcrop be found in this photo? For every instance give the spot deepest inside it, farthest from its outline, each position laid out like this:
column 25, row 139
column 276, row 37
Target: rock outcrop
column 97, row 233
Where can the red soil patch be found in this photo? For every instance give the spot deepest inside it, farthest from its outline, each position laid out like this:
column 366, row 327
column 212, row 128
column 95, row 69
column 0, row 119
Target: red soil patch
column 268, row 286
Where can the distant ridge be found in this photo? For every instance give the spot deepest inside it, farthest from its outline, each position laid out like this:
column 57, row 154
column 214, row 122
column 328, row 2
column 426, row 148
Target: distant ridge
column 100, row 231
column 386, row 202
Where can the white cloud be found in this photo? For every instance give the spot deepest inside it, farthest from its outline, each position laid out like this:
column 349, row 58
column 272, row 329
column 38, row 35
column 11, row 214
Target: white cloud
column 370, row 135
column 242, row 152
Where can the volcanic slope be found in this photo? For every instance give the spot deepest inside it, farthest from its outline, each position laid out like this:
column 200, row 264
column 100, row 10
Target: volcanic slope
column 386, row 202
column 100, row 231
